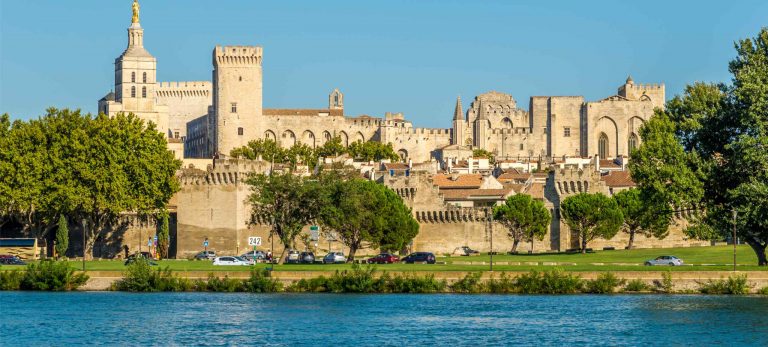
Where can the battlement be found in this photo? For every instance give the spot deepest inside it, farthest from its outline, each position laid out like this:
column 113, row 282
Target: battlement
column 514, row 131
column 451, row 215
column 222, row 172
column 237, row 55
column 431, row 131
column 184, row 89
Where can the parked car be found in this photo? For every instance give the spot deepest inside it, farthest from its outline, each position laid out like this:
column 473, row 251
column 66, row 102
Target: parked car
column 229, row 260
column 255, row 255
column 307, row 257
column 419, row 257
column 7, row 259
column 665, row 260
column 292, row 257
column 334, row 258
column 383, row 258
column 205, row 255
column 143, row 255
column 249, row 261
column 468, row 251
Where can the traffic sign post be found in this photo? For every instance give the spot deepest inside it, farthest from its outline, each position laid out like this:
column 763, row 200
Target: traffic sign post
column 205, row 244
column 254, row 241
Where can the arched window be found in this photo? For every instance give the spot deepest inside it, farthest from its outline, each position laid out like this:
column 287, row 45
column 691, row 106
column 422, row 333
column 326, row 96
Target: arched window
column 336, row 100
column 143, row 92
column 602, row 145
column 506, row 123
column 144, row 78
column 632, row 142
column 133, row 77
column 133, row 92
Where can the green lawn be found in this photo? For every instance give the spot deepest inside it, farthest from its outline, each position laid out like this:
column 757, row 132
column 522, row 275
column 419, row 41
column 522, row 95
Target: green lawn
column 618, row 260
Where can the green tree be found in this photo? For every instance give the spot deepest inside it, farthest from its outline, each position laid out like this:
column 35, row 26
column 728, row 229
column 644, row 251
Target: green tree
column 591, row 216
column 525, row 218
column 726, row 129
column 62, row 237
column 372, row 151
column 267, row 149
column 127, row 167
column 286, row 203
column 363, row 213
column 331, row 148
column 163, row 236
column 481, row 153
column 641, row 217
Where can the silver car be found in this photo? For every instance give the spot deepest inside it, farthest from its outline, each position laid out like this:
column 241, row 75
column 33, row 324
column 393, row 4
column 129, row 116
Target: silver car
column 670, row 260
column 334, row 258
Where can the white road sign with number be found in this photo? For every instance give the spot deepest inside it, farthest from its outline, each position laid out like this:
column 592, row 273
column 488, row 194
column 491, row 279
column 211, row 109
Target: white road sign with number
column 254, row 241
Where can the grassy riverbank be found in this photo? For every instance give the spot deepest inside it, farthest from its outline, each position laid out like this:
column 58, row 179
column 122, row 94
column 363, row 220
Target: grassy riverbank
column 717, row 258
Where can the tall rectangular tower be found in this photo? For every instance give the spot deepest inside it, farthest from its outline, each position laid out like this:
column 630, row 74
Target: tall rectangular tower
column 237, row 96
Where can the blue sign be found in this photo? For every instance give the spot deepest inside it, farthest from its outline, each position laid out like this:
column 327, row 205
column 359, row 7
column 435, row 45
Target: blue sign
column 205, row 243
column 155, row 238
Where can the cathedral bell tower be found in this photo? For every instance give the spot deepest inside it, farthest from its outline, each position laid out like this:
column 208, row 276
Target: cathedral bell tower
column 459, row 124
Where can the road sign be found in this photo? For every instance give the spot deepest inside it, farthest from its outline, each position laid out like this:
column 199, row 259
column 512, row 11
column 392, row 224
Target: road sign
column 314, row 233
column 254, row 241
column 205, row 243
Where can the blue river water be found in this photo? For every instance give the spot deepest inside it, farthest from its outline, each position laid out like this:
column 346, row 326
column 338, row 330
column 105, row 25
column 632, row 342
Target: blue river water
column 187, row 319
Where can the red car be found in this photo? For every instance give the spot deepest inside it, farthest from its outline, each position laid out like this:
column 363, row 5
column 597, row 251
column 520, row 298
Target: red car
column 384, row 258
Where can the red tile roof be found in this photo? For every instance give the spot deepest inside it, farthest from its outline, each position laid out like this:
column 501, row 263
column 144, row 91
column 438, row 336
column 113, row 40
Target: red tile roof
column 618, row 179
column 512, row 177
column 468, row 194
column 608, row 163
column 468, row 181
column 536, row 191
column 395, row 166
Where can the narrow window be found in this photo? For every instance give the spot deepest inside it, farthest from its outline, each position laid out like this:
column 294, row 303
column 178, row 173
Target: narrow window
column 143, row 92
column 133, row 77
column 240, row 130
column 336, row 100
column 234, row 107
column 144, row 78
column 567, row 132
column 133, row 92
column 602, row 146
column 176, row 134
column 632, row 142
column 521, row 146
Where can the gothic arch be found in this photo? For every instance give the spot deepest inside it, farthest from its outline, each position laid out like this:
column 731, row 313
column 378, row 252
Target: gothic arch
column 270, row 135
column 633, row 142
column 506, row 123
column 326, row 136
column 635, row 123
column 359, row 137
column 403, row 154
column 288, row 139
column 344, row 138
column 607, row 126
column 308, row 138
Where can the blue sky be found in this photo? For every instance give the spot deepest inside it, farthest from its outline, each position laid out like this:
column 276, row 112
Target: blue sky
column 401, row 56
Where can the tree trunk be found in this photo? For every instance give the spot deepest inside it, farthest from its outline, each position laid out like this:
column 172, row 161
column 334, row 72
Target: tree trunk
column 759, row 249
column 515, row 242
column 631, row 239
column 352, row 251
column 583, row 243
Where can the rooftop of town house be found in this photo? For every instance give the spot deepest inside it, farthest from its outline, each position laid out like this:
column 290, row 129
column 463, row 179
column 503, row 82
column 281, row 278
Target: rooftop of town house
column 456, row 181
column 609, row 163
column 395, row 166
column 474, row 194
column 536, row 191
column 618, row 179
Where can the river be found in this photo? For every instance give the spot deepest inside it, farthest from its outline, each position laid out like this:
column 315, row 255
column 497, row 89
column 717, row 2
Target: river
column 219, row 319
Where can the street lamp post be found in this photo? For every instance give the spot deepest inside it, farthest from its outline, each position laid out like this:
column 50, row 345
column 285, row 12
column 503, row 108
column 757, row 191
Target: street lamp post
column 83, row 244
column 734, row 239
column 489, row 229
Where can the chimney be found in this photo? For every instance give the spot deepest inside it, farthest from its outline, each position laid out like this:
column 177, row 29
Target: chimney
column 469, row 164
column 597, row 163
column 410, row 163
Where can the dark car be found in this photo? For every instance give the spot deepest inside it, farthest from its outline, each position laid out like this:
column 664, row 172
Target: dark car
column 419, row 257
column 307, row 257
column 383, row 258
column 11, row 260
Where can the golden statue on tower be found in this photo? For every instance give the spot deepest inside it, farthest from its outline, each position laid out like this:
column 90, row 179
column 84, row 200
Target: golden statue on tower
column 135, row 18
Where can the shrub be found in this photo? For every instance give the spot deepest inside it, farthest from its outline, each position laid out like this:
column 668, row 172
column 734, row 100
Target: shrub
column 357, row 280
column 604, row 283
column 469, row 284
column 735, row 285
column 261, row 281
column 140, row 277
column 637, row 285
column 51, row 275
column 226, row 284
column 665, row 285
column 10, row 280
column 763, row 291
column 554, row 281
column 414, row 284
column 501, row 286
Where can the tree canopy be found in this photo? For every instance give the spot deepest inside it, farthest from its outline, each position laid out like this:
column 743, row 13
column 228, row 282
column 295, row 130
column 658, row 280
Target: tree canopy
column 363, row 213
column 91, row 169
column 591, row 216
column 724, row 127
column 640, row 217
column 525, row 218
